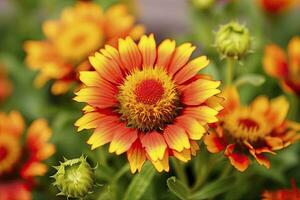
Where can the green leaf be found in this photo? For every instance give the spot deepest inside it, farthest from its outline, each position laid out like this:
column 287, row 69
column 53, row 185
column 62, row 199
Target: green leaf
column 140, row 183
column 213, row 189
column 178, row 188
column 252, row 79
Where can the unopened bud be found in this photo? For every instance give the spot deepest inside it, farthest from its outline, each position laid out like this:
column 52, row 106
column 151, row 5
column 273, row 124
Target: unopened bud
column 233, row 40
column 74, row 178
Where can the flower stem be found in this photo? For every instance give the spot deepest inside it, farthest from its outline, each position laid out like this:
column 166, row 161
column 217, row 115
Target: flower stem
column 229, row 71
column 179, row 170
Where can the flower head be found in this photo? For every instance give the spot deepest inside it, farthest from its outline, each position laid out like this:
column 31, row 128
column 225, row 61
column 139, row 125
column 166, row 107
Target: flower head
column 283, row 194
column 286, row 68
column 74, row 178
column 148, row 101
column 233, row 40
column 80, row 31
column 275, row 7
column 253, row 130
column 23, row 160
column 14, row 190
column 5, row 85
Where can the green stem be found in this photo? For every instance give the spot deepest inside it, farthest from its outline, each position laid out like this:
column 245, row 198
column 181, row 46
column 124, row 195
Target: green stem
column 179, row 170
column 204, row 175
column 229, row 71
column 226, row 171
column 294, row 107
column 120, row 173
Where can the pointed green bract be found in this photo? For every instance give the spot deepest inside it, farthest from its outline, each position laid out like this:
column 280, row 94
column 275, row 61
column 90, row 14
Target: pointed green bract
column 74, row 178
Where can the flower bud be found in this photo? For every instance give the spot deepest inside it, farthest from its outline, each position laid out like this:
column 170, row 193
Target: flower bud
column 74, row 178
column 203, row 4
column 233, row 40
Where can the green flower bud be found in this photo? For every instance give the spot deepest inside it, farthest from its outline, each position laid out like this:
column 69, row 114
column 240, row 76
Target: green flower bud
column 74, row 178
column 203, row 4
column 233, row 40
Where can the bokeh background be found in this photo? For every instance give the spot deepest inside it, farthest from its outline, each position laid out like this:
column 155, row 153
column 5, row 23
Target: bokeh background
column 21, row 20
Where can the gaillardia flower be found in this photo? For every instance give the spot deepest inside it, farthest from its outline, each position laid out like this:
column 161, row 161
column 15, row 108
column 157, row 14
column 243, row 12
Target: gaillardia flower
column 283, row 194
column 252, row 130
column 148, row 101
column 275, row 7
column 5, row 84
column 19, row 164
column 80, row 31
column 286, row 68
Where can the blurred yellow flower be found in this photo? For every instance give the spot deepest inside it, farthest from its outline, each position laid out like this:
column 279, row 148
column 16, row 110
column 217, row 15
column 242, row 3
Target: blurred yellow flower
column 252, row 130
column 283, row 194
column 20, row 163
column 276, row 6
column 286, row 68
column 80, row 31
column 148, row 100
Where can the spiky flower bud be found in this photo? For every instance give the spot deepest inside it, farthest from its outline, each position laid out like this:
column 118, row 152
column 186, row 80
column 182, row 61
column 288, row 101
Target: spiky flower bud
column 203, row 4
column 74, row 178
column 233, row 40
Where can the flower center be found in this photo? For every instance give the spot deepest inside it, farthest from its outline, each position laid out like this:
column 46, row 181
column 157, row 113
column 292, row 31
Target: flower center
column 248, row 124
column 148, row 99
column 245, row 124
column 149, row 91
column 76, row 41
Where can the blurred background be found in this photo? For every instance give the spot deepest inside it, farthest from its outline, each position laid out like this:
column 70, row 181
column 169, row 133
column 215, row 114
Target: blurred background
column 183, row 20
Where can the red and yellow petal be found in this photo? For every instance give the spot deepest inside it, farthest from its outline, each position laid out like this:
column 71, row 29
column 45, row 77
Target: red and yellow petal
column 33, row 168
column 274, row 142
column 214, row 143
column 122, row 142
column 203, row 114
column 191, row 69
column 106, row 68
column 14, row 190
column 130, row 54
column 176, row 138
column 154, row 145
column 162, row 164
column 180, row 58
column 199, row 91
column 275, row 62
column 239, row 160
column 97, row 97
column 147, row 48
column 193, row 128
column 165, row 52
column 136, row 155
column 104, row 132
column 184, row 155
column 89, row 120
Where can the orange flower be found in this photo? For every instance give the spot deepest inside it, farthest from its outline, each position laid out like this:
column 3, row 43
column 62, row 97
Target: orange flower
column 275, row 6
column 284, row 67
column 252, row 130
column 283, row 194
column 79, row 32
column 15, row 190
column 23, row 160
column 5, row 84
column 148, row 101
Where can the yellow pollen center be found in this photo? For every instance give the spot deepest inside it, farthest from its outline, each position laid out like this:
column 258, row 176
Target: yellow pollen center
column 148, row 99
column 245, row 124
